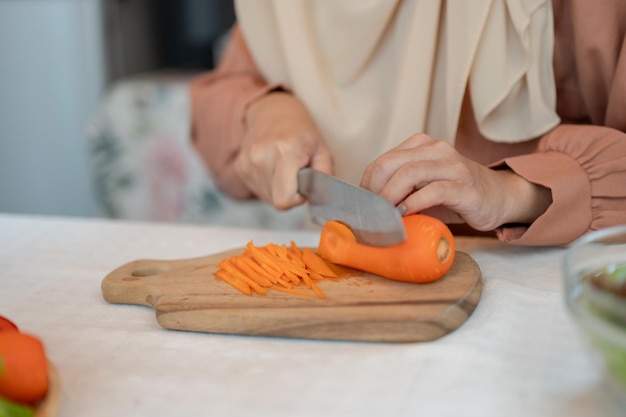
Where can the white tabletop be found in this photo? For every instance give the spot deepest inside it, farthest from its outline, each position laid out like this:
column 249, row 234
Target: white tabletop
column 519, row 354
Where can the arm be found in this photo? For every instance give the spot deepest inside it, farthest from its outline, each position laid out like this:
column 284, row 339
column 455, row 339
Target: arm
column 218, row 103
column 574, row 182
column 253, row 142
column 585, row 169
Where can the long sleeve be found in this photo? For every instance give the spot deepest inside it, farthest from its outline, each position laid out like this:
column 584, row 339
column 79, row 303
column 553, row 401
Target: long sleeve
column 583, row 161
column 585, row 168
column 218, row 102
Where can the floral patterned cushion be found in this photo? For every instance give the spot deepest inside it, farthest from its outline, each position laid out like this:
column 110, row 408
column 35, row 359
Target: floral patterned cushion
column 145, row 168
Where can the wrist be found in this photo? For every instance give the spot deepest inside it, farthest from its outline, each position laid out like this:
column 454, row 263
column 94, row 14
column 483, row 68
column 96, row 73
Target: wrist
column 259, row 100
column 526, row 200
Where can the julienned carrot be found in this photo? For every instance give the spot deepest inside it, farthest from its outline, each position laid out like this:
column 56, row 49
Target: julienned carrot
column 426, row 255
column 316, row 263
column 276, row 267
column 294, row 291
column 240, row 285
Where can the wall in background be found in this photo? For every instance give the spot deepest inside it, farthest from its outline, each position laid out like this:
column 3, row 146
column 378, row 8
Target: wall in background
column 52, row 75
column 57, row 57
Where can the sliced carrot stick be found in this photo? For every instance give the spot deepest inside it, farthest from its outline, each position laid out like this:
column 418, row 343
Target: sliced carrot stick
column 317, row 290
column 241, row 286
column 293, row 291
column 262, row 257
column 295, row 251
column 233, row 271
column 284, row 282
column 295, row 269
column 317, row 276
column 270, row 248
column 240, row 263
column 294, row 278
column 252, row 264
column 307, row 280
column 317, row 264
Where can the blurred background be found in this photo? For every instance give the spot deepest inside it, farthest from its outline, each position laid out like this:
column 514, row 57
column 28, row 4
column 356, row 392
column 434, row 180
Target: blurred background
column 58, row 60
column 94, row 109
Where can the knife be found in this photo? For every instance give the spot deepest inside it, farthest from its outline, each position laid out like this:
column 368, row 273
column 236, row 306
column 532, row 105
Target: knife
column 373, row 220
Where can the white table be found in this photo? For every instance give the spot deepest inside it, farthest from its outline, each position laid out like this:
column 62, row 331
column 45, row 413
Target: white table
column 519, row 354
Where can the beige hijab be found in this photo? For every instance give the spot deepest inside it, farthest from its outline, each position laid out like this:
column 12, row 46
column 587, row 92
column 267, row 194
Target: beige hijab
column 374, row 72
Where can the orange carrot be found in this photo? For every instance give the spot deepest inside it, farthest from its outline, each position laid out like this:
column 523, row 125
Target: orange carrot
column 317, row 290
column 23, row 368
column 317, row 264
column 293, row 291
column 258, row 269
column 284, row 282
column 316, row 276
column 246, row 269
column 240, row 285
column 275, row 267
column 233, row 271
column 426, row 255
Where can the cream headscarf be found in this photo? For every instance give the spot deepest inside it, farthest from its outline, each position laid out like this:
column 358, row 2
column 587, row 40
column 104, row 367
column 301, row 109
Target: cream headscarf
column 374, row 72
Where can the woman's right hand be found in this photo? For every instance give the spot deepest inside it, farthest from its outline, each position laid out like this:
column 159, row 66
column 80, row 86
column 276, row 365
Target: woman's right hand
column 280, row 139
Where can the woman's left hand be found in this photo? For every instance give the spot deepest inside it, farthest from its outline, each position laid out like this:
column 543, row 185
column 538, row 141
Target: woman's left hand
column 426, row 175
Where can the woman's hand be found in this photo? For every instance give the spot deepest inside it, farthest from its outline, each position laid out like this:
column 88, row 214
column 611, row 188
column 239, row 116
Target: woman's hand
column 425, row 175
column 280, row 139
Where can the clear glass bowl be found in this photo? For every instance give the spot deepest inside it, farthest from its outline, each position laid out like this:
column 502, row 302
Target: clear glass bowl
column 595, row 289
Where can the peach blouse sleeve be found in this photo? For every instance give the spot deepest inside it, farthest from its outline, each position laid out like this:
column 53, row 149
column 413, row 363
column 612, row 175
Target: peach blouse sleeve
column 583, row 161
column 585, row 168
column 218, row 102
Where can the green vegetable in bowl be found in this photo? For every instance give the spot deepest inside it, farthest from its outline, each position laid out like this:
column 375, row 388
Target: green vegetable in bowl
column 604, row 296
column 614, row 357
column 12, row 409
column 611, row 279
column 605, row 292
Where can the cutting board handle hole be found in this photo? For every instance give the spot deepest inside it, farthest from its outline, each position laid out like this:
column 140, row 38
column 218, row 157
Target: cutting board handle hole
column 146, row 272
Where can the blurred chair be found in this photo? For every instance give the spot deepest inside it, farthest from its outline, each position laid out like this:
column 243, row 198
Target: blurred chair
column 144, row 166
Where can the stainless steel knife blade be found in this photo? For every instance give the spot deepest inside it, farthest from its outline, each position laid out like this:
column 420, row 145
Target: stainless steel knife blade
column 374, row 220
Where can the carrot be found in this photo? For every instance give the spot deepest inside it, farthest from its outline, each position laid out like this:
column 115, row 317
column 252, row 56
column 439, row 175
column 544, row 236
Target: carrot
column 258, row 269
column 233, row 271
column 293, row 291
column 246, row 269
column 23, row 368
column 284, row 283
column 426, row 255
column 294, row 250
column 317, row 290
column 240, row 285
column 275, row 267
column 316, row 263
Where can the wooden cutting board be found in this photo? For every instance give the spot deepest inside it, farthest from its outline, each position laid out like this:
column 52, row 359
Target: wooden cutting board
column 359, row 306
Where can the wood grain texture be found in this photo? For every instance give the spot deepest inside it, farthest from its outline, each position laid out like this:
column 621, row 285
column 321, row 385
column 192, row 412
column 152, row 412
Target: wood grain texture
column 359, row 306
column 49, row 406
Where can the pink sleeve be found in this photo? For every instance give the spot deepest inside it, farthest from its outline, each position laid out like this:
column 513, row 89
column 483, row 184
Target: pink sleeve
column 218, row 102
column 582, row 161
column 585, row 168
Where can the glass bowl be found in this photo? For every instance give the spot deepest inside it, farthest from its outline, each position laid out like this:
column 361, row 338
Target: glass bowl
column 595, row 289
